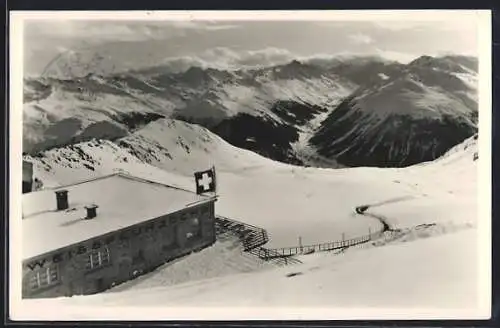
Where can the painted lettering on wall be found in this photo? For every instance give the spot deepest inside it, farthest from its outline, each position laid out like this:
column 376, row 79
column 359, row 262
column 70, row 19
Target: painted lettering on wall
column 149, row 227
column 124, row 235
column 57, row 258
column 34, row 264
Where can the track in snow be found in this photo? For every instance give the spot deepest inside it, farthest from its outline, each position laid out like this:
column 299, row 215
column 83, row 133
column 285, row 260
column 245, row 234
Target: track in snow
column 392, row 234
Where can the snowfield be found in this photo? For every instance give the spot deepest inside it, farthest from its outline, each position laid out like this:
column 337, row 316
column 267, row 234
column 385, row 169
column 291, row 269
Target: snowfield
column 343, row 281
column 428, row 263
column 425, row 277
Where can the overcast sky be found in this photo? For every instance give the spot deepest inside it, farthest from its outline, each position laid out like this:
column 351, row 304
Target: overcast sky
column 134, row 44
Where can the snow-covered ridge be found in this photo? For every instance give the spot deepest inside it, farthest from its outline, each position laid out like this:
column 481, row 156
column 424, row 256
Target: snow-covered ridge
column 177, row 147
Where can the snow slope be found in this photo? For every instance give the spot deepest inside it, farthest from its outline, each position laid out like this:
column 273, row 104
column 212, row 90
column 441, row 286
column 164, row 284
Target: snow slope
column 66, row 165
column 225, row 257
column 184, row 148
column 424, row 278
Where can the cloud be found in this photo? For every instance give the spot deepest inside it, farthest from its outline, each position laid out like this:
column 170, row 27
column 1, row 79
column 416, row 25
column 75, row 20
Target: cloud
column 229, row 59
column 401, row 57
column 465, row 21
column 95, row 32
column 359, row 38
column 63, row 49
column 226, row 58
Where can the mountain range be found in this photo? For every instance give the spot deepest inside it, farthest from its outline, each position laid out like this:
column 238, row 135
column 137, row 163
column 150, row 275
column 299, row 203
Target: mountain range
column 357, row 111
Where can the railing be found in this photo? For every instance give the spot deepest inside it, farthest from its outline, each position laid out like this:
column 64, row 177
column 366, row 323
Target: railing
column 253, row 238
column 328, row 246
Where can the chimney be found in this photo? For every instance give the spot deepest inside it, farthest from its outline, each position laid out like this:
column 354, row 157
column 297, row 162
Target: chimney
column 62, row 200
column 91, row 211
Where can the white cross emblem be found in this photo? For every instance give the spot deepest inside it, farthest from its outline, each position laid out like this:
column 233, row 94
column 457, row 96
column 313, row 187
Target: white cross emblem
column 205, row 181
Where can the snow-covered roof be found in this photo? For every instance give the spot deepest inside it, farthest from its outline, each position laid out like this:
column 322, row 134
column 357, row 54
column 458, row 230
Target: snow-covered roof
column 122, row 201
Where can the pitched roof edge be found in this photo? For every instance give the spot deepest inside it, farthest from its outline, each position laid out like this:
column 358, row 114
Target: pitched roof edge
column 123, row 175
column 80, row 182
column 141, row 179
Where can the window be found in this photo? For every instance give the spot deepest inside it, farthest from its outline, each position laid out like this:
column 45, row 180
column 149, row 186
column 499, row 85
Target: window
column 98, row 258
column 45, row 277
column 194, row 228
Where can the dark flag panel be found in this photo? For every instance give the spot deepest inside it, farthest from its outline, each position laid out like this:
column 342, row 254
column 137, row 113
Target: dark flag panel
column 205, row 181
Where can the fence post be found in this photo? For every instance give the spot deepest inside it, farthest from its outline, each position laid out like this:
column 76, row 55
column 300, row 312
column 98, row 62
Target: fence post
column 343, row 239
column 369, row 233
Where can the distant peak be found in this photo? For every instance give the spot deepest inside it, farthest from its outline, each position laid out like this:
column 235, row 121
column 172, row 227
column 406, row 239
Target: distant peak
column 194, row 69
column 422, row 60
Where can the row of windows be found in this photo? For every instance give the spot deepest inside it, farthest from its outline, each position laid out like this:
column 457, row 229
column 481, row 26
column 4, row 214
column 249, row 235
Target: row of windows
column 45, row 277
column 98, row 258
column 48, row 276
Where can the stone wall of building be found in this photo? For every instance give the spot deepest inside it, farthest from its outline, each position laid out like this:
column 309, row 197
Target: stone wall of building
column 27, row 177
column 132, row 251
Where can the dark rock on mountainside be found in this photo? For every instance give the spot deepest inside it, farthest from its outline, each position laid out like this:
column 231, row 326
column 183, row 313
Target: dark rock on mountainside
column 295, row 113
column 262, row 135
column 135, row 120
column 393, row 141
column 70, row 131
column 35, row 90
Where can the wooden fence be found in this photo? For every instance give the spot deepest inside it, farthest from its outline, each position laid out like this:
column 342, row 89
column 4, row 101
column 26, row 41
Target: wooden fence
column 324, row 247
column 253, row 238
